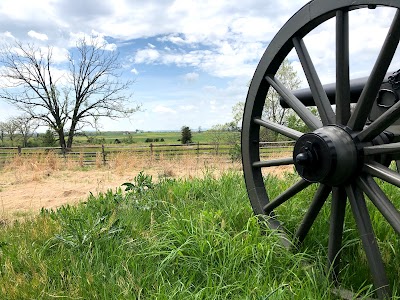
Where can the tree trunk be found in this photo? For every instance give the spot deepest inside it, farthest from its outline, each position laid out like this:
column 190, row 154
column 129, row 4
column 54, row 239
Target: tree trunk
column 24, row 140
column 61, row 138
column 71, row 134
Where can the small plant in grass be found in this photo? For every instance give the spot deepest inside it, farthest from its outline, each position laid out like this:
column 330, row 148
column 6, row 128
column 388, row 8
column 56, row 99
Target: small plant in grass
column 82, row 232
column 137, row 192
column 235, row 153
column 140, row 184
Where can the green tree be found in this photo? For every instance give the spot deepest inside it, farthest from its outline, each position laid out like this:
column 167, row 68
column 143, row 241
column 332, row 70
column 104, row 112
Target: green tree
column 228, row 133
column 186, row 135
column 48, row 139
column 237, row 112
column 273, row 111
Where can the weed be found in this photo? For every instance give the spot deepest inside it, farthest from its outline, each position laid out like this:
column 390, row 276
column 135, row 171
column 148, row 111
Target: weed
column 141, row 183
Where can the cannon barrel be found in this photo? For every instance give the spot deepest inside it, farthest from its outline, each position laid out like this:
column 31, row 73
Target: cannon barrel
column 356, row 87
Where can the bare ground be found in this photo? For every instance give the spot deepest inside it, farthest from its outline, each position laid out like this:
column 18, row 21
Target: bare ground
column 27, row 185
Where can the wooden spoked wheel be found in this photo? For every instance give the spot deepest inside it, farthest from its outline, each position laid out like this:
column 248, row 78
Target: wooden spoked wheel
column 344, row 152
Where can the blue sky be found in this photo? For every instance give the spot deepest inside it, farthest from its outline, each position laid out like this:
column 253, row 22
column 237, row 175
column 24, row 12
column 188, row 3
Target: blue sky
column 191, row 60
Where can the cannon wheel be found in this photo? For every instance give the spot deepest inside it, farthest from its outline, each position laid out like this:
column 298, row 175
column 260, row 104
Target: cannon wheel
column 342, row 153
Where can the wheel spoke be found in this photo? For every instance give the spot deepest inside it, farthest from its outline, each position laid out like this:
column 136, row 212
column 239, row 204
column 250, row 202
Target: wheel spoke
column 363, row 221
column 379, row 199
column 382, row 172
column 286, row 195
column 286, row 131
column 342, row 68
column 370, row 91
column 380, row 124
column 311, row 121
column 319, row 95
column 319, row 199
column 273, row 162
column 338, row 209
column 382, row 149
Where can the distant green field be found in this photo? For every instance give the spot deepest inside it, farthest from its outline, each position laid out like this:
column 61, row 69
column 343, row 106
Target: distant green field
column 169, row 137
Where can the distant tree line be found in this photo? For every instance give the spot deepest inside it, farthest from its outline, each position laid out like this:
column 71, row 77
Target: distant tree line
column 155, row 140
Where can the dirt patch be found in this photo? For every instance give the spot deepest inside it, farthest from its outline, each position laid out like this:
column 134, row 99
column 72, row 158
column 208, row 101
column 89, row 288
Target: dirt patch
column 28, row 192
column 27, row 185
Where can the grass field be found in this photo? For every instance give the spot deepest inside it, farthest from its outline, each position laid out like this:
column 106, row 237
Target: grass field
column 180, row 239
column 169, row 137
column 110, row 137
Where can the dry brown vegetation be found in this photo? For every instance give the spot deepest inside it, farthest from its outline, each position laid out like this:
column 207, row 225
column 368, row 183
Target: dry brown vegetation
column 28, row 183
column 47, row 180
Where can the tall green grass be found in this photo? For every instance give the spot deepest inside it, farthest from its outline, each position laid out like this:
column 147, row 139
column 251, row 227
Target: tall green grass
column 178, row 239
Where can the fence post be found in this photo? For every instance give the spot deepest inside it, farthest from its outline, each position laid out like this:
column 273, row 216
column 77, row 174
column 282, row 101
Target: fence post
column 19, row 150
column 198, row 149
column 151, row 150
column 103, row 153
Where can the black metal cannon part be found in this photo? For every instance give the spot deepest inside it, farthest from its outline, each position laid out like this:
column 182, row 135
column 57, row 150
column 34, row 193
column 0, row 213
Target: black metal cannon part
column 346, row 148
column 388, row 95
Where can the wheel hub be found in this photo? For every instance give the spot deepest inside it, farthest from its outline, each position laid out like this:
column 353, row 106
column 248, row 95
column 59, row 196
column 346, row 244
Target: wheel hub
column 328, row 155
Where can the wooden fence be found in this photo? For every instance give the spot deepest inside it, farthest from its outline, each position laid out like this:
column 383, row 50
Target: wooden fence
column 92, row 154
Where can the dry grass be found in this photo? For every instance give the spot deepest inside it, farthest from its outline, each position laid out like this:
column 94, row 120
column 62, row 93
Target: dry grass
column 187, row 166
column 28, row 183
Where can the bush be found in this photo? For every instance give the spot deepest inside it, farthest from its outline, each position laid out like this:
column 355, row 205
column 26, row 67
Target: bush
column 128, row 140
column 235, row 153
column 96, row 140
column 48, row 139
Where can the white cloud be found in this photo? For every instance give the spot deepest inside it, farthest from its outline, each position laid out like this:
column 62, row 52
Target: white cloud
column 38, row 36
column 151, row 45
column 187, row 107
column 175, row 39
column 164, row 110
column 134, row 71
column 59, row 55
column 92, row 38
column 190, row 77
column 110, row 47
column 146, row 56
column 234, row 59
column 7, row 35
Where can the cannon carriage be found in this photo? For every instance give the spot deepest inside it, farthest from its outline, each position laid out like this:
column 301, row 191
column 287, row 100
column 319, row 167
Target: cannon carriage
column 353, row 143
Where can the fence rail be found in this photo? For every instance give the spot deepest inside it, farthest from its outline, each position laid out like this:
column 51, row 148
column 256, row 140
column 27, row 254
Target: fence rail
column 93, row 154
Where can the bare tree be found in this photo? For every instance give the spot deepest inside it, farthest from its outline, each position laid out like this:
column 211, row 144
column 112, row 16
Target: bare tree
column 91, row 88
column 26, row 126
column 10, row 128
column 2, row 130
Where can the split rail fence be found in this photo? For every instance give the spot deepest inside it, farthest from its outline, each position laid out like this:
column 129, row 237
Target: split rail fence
column 92, row 154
